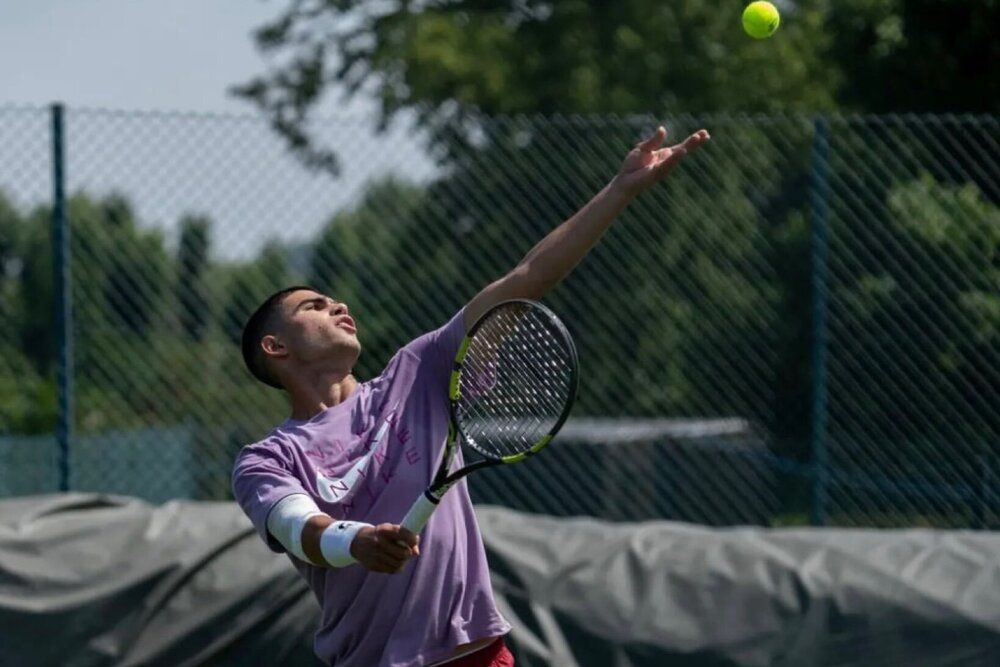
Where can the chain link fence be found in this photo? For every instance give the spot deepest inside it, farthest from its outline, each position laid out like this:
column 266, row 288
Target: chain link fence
column 801, row 324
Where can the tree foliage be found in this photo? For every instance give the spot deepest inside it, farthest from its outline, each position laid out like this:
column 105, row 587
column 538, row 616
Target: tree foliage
column 191, row 288
column 451, row 60
column 916, row 55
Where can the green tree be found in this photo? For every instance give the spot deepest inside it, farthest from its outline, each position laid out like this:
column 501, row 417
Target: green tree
column 35, row 295
column 465, row 57
column 915, row 347
column 916, row 55
column 11, row 231
column 924, row 323
column 27, row 392
column 247, row 285
column 637, row 56
column 192, row 290
column 120, row 277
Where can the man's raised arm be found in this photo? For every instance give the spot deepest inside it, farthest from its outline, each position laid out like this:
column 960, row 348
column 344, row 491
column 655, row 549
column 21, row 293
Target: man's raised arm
column 556, row 255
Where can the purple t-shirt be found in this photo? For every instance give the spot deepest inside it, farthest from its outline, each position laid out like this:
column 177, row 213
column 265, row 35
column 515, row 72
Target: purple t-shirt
column 367, row 459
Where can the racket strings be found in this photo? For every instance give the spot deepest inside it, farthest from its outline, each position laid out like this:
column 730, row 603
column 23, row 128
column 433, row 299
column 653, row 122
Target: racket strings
column 517, row 428
column 506, row 428
column 533, row 362
column 525, row 380
column 527, row 385
column 530, row 383
column 515, row 381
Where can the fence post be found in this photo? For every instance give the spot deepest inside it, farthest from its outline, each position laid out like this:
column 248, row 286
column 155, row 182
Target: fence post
column 63, row 302
column 818, row 210
column 983, row 505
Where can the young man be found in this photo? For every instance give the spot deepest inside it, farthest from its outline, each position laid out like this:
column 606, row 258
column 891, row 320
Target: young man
column 331, row 483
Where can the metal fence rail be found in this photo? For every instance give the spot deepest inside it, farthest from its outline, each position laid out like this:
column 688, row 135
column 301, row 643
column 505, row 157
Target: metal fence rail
column 829, row 284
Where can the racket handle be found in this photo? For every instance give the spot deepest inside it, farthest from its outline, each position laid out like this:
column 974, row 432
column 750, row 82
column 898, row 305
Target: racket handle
column 417, row 517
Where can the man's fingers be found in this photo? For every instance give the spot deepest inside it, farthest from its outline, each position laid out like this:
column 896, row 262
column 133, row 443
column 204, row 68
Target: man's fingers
column 396, row 550
column 410, row 538
column 654, row 141
column 692, row 143
column 697, row 139
column 675, row 154
column 399, row 534
column 414, row 550
column 384, row 563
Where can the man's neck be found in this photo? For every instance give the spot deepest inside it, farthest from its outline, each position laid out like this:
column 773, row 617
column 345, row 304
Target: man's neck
column 307, row 404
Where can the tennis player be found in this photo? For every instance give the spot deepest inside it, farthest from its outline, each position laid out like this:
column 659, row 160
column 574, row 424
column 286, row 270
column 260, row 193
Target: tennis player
column 330, row 484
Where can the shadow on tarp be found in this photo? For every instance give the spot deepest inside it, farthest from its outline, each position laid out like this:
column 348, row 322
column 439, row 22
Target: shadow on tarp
column 87, row 579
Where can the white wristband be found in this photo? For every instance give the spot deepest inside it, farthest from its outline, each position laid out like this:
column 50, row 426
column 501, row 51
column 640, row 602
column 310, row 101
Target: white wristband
column 335, row 542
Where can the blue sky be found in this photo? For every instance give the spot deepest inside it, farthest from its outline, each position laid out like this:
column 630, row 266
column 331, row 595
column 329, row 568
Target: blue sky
column 173, row 56
column 133, row 54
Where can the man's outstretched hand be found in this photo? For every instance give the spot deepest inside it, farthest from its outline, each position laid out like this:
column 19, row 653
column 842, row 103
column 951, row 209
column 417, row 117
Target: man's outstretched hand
column 647, row 163
column 385, row 547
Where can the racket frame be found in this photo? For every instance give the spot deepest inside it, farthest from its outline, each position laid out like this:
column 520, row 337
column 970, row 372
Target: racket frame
column 443, row 480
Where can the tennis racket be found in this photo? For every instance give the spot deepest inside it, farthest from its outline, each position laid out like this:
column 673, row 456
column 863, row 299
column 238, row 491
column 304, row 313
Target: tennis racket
column 512, row 387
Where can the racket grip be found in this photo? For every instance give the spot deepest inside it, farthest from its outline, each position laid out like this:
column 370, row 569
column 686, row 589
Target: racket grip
column 417, row 517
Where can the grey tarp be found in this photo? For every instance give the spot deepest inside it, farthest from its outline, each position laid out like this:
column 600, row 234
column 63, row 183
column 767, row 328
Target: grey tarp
column 108, row 580
column 101, row 580
column 586, row 592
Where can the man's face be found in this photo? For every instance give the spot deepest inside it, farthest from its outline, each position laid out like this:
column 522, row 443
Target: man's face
column 316, row 327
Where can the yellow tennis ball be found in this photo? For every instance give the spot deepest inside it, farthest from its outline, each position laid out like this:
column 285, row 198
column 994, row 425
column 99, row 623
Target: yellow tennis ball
column 761, row 19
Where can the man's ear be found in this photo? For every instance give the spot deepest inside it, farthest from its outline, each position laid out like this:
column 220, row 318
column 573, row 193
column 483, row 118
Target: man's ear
column 273, row 347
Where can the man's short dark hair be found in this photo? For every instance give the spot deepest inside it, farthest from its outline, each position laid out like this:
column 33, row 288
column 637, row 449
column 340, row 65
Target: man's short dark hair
column 260, row 324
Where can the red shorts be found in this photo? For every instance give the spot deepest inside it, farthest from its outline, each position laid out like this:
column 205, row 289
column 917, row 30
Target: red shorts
column 494, row 655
